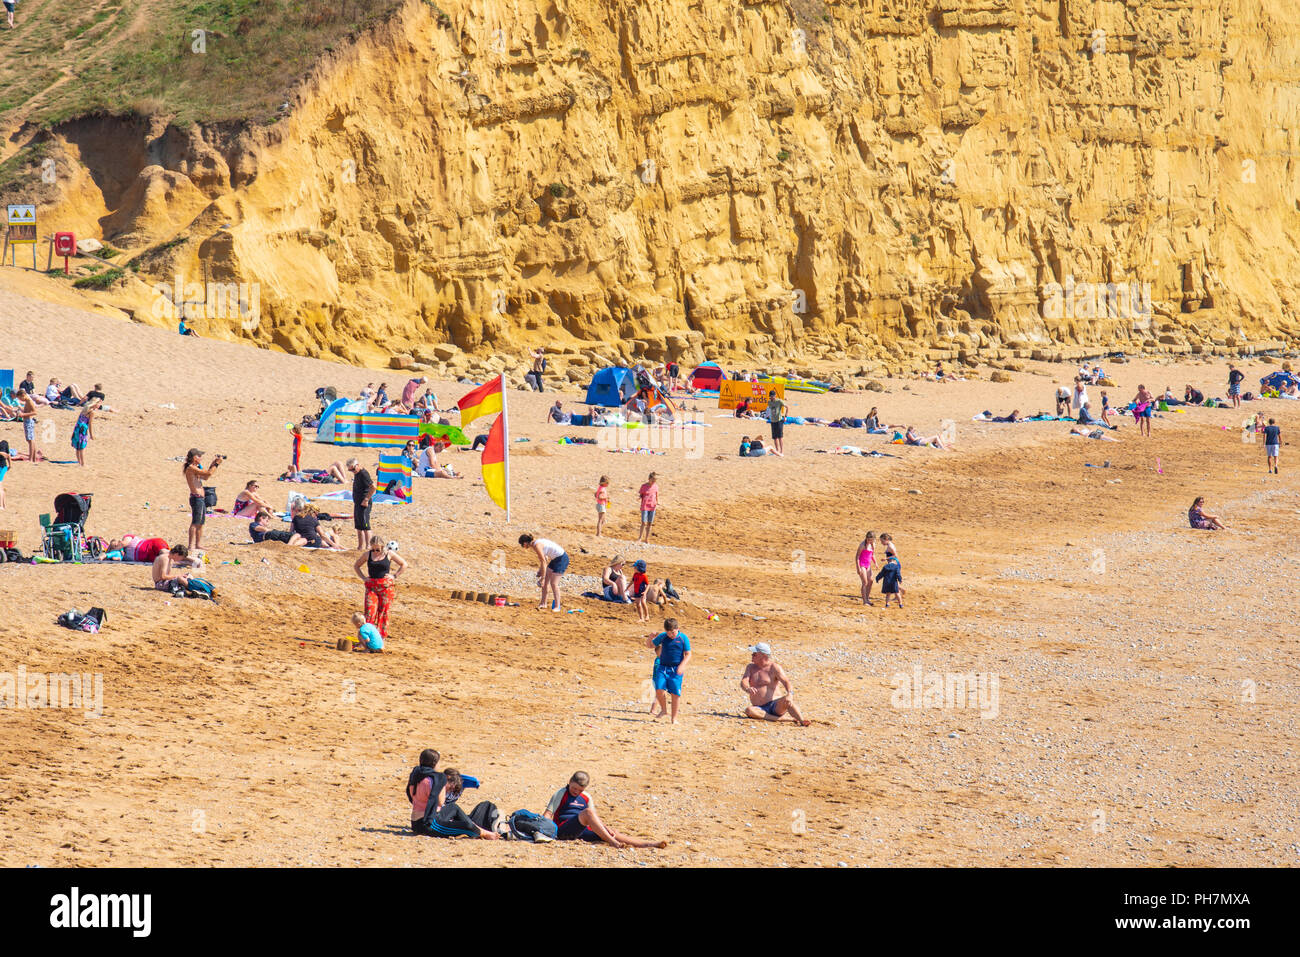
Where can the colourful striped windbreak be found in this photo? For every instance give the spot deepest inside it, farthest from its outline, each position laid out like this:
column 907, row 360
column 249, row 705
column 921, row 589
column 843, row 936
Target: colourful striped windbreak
column 393, row 467
column 375, row 430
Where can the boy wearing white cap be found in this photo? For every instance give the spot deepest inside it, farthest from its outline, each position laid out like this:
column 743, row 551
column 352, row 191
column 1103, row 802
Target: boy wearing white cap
column 760, row 681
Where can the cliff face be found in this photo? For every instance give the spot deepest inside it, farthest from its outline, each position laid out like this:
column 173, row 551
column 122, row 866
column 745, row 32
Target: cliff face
column 777, row 176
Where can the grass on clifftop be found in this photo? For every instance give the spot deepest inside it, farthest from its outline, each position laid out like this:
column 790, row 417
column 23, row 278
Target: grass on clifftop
column 66, row 60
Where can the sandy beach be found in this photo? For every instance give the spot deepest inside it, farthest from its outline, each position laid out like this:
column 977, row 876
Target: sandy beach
column 1145, row 671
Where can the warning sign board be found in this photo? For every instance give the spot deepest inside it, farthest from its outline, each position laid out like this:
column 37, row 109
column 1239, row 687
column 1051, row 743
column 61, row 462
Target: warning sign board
column 22, row 224
column 731, row 391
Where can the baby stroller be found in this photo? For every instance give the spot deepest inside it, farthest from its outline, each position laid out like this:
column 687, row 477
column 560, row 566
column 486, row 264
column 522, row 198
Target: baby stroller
column 65, row 536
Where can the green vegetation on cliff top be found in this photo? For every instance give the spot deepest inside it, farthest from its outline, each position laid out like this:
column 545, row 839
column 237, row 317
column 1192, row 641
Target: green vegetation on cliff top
column 67, row 60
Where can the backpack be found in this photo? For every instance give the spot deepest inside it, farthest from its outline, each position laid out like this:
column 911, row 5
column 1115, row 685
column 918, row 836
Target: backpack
column 91, row 621
column 525, row 824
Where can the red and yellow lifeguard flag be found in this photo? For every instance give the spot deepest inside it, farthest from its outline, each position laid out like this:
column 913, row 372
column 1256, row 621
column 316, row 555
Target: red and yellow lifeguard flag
column 484, row 400
column 496, row 465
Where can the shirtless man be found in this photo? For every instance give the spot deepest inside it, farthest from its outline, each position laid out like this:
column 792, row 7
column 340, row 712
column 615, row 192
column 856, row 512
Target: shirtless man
column 166, row 568
column 27, row 412
column 195, row 475
column 760, row 681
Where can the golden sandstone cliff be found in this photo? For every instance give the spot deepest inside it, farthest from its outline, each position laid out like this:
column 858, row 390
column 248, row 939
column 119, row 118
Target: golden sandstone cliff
column 676, row 178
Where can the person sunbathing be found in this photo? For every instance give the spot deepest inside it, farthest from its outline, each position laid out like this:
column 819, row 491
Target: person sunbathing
column 1012, row 416
column 248, row 502
column 933, row 441
column 59, row 396
column 1290, row 391
column 334, row 472
column 1087, row 418
column 428, row 465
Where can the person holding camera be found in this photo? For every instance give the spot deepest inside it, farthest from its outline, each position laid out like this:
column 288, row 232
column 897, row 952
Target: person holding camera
column 195, row 475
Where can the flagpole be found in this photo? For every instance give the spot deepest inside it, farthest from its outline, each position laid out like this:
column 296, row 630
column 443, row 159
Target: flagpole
column 505, row 436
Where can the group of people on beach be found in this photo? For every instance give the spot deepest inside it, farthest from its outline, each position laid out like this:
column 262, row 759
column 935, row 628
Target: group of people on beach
column 24, row 409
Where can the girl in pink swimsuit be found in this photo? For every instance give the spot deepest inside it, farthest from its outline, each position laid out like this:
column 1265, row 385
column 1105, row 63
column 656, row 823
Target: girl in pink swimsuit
column 865, row 563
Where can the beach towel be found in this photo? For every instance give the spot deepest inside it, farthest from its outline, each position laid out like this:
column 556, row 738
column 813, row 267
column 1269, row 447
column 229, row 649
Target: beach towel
column 345, row 495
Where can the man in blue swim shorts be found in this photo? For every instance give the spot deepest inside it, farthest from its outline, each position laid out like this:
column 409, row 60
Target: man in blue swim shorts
column 674, row 652
column 760, row 681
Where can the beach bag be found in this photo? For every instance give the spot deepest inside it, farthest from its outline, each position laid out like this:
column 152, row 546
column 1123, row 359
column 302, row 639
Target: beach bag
column 209, row 496
column 198, row 588
column 525, row 825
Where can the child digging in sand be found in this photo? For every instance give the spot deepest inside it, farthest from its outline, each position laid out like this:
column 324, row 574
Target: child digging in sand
column 368, row 637
column 674, row 652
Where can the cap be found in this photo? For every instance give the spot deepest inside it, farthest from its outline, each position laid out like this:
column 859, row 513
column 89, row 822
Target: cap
column 639, row 565
column 762, row 648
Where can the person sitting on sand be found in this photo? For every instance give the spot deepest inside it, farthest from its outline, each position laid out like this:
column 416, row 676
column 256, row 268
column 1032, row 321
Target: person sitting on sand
column 168, row 574
column 1087, row 418
column 933, row 441
column 1193, row 396
column 756, row 448
column 574, row 813
column 248, row 501
column 1290, row 391
column 368, row 640
column 761, row 680
column 872, row 423
column 59, row 396
column 260, row 529
column 556, row 414
column 1199, row 518
column 743, row 410
column 307, row 530
column 613, row 581
column 428, row 464
column 434, row 808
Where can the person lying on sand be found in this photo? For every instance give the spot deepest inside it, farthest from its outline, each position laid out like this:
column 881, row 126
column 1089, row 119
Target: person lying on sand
column 574, row 812
column 133, row 548
column 760, row 681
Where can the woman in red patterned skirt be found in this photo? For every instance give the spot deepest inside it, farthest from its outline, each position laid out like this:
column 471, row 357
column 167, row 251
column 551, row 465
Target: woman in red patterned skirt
column 382, row 567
